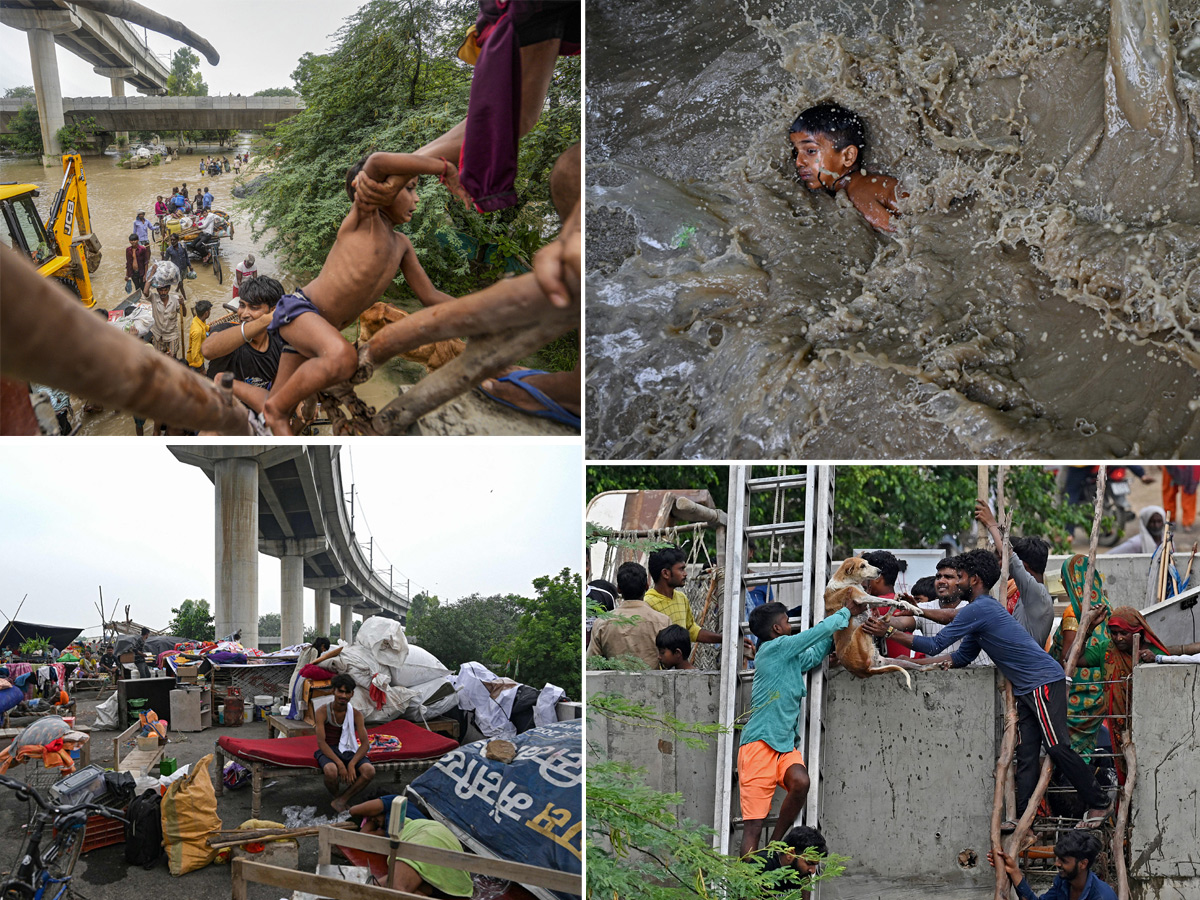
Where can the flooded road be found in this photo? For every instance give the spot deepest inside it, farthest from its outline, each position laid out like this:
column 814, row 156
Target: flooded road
column 1040, row 296
column 114, row 197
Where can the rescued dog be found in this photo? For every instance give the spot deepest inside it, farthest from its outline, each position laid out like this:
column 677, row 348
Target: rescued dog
column 432, row 356
column 855, row 648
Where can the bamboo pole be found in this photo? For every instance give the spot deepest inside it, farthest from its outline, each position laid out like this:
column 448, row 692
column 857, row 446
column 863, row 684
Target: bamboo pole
column 1009, row 742
column 1077, row 646
column 1130, row 754
column 981, row 493
column 47, row 336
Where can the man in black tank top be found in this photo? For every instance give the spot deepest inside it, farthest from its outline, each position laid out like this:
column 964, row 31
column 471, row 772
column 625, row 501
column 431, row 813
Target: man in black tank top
column 346, row 766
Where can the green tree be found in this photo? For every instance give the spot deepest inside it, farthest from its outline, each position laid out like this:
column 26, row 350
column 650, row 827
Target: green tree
column 277, row 91
column 546, row 647
column 21, row 90
column 473, row 628
column 421, row 604
column 270, row 624
column 184, row 79
column 77, row 135
column 26, row 130
column 193, row 620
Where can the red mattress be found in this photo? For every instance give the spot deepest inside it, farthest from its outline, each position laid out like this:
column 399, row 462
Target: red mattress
column 415, row 743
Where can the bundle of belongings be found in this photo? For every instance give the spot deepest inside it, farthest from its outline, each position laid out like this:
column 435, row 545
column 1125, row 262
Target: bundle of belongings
column 49, row 739
column 500, row 707
column 395, row 679
column 520, row 800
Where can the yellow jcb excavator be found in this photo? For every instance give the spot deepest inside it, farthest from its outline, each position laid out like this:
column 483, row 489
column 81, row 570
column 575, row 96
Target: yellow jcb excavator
column 64, row 247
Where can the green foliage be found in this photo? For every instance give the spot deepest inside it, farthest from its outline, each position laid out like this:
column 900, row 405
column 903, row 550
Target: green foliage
column 185, row 79
column 874, row 506
column 546, row 648
column 193, row 620
column 26, row 131
column 639, row 849
column 21, row 90
column 77, row 135
column 393, row 83
column 473, row 628
column 34, row 646
column 420, row 604
column 277, row 92
column 270, row 624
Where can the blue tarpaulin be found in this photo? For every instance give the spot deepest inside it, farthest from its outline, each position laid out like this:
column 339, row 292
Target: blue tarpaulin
column 529, row 810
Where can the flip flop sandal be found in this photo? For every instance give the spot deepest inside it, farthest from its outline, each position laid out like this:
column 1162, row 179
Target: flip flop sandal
column 553, row 410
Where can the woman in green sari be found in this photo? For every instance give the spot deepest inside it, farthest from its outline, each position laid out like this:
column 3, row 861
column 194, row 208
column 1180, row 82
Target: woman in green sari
column 1087, row 699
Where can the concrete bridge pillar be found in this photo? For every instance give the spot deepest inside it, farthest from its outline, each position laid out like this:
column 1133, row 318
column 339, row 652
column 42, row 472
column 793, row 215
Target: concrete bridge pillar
column 49, row 93
column 116, row 77
column 237, row 548
column 322, row 611
column 347, row 623
column 291, row 600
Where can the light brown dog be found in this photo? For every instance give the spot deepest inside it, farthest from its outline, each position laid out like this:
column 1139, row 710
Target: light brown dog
column 855, row 648
column 432, row 356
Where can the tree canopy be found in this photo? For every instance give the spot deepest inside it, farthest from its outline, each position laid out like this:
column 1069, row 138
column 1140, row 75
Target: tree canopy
column 877, row 506
column 193, row 620
column 21, row 90
column 184, row 79
column 25, row 130
column 276, row 92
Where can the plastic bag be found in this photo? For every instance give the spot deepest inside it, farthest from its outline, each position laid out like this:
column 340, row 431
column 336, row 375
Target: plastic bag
column 106, row 714
column 189, row 816
column 129, row 285
column 189, row 274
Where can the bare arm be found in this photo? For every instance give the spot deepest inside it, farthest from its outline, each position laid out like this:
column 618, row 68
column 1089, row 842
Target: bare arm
column 364, row 740
column 414, row 274
column 223, row 342
column 319, row 723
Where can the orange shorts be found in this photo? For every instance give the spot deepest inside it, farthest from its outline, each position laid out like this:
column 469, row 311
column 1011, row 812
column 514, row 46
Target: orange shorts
column 760, row 771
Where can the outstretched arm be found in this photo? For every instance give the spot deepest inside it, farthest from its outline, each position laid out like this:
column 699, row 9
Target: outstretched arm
column 386, row 174
column 414, row 274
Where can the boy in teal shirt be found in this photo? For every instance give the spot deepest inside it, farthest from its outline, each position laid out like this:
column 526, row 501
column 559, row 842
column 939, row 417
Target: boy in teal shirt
column 768, row 756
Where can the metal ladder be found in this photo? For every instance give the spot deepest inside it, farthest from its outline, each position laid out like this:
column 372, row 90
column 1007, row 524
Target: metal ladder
column 811, row 572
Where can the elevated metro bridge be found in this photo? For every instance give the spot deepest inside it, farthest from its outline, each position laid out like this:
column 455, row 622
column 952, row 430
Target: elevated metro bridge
column 166, row 114
column 288, row 502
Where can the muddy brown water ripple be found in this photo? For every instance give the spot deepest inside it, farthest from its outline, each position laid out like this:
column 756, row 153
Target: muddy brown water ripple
column 1040, row 298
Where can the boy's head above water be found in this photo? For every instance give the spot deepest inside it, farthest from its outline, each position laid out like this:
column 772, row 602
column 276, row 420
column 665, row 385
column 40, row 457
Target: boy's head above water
column 828, row 144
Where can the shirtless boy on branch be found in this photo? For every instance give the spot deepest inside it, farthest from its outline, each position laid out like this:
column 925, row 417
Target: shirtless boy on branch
column 360, row 266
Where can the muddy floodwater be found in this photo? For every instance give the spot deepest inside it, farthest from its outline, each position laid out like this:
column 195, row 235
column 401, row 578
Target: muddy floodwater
column 1040, row 296
column 114, row 197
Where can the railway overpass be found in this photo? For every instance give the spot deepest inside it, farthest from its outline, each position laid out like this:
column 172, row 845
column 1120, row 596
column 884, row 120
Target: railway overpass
column 108, row 43
column 288, row 502
column 167, row 114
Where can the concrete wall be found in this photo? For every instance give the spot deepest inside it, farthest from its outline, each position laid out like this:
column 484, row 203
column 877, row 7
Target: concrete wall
column 1125, row 576
column 907, row 783
column 1164, row 847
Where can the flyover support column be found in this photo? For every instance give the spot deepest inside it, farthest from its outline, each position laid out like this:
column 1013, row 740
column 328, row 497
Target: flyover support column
column 237, row 548
column 347, row 624
column 291, row 600
column 323, row 611
column 118, row 90
column 49, row 93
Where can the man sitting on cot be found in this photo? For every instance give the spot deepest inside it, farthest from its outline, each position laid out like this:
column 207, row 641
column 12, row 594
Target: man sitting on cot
column 412, row 876
column 362, row 263
column 342, row 744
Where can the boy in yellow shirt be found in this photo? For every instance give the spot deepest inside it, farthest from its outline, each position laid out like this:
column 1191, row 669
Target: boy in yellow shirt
column 196, row 335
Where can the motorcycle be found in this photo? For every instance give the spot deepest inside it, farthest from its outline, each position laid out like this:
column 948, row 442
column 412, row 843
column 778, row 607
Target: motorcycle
column 1116, row 508
column 207, row 248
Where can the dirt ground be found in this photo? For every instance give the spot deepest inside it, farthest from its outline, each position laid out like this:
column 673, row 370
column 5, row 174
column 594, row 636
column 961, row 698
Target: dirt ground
column 103, row 874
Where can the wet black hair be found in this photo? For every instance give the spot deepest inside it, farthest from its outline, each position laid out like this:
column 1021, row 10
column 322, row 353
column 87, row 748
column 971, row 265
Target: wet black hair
column 887, row 564
column 321, row 644
column 133, row 237
column 203, row 306
column 1033, row 552
column 924, row 588
column 631, row 581
column 844, row 126
column 949, row 562
column 1079, row 843
column 763, row 617
column 674, row 637
column 982, row 563
column 351, row 173
column 666, row 558
column 805, row 837
column 260, row 290
column 343, row 681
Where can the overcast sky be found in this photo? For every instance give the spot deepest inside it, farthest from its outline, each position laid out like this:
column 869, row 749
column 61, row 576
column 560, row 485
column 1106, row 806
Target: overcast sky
column 457, row 516
column 260, row 42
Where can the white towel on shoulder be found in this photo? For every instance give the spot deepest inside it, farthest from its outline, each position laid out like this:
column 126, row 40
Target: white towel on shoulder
column 349, row 740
